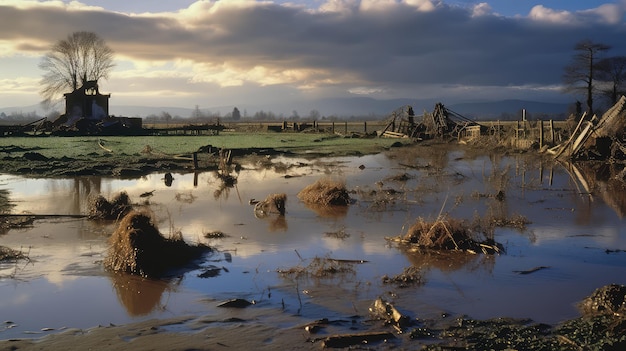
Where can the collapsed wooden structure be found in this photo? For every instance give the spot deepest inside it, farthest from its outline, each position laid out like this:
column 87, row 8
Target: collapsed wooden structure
column 441, row 122
column 596, row 138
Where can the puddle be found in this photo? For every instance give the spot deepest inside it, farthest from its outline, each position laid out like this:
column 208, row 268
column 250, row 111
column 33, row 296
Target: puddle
column 64, row 286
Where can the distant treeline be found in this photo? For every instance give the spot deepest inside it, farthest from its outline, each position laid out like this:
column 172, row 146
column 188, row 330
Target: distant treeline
column 200, row 117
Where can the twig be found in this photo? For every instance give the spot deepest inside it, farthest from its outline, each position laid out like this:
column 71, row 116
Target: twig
column 297, row 253
column 102, row 146
column 532, row 270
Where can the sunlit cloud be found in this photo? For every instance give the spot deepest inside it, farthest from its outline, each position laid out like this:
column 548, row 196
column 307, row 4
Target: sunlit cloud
column 544, row 14
column 365, row 90
column 481, row 9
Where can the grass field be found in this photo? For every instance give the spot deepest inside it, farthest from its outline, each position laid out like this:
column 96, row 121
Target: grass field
column 172, row 145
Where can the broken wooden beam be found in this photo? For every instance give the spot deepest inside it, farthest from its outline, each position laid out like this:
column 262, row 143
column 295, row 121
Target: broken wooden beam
column 347, row 340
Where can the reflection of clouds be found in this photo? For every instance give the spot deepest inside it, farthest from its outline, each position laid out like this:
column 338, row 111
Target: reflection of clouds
column 58, row 250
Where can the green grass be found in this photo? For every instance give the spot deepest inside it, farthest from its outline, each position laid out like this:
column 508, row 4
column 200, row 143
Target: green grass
column 301, row 143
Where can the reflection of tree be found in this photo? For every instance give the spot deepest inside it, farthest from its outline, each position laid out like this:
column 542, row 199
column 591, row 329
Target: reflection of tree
column 83, row 188
column 138, row 295
column 5, row 202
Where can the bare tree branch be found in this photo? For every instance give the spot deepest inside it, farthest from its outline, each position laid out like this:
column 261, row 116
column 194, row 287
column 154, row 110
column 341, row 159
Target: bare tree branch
column 579, row 75
column 82, row 57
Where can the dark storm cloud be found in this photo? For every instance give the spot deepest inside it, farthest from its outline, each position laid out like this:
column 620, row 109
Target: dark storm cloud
column 394, row 44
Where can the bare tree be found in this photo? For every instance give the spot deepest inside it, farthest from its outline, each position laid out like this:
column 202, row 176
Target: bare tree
column 71, row 62
column 579, row 75
column 611, row 72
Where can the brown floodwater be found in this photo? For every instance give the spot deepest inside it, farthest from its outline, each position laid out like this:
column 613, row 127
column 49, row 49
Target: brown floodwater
column 577, row 234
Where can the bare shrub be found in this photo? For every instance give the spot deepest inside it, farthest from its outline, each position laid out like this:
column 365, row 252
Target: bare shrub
column 137, row 247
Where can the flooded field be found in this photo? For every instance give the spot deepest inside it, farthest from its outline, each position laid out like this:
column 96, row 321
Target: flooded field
column 573, row 243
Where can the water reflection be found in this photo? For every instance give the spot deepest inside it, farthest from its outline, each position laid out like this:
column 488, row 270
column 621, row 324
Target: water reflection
column 449, row 261
column 604, row 179
column 329, row 211
column 566, row 223
column 141, row 296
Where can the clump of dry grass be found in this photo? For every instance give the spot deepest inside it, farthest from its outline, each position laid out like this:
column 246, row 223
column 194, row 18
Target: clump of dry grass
column 516, row 221
column 607, row 300
column 410, row 276
column 325, row 192
column 214, row 235
column 101, row 208
column 449, row 234
column 272, row 203
column 8, row 222
column 339, row 234
column 10, row 255
column 137, row 247
column 320, row 268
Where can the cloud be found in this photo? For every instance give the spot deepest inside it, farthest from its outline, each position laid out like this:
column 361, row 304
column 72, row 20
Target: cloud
column 481, row 9
column 607, row 13
column 541, row 13
column 370, row 47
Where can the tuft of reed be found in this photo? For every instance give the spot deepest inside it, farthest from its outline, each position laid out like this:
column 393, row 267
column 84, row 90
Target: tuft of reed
column 320, row 267
column 137, row 247
column 449, row 234
column 325, row 192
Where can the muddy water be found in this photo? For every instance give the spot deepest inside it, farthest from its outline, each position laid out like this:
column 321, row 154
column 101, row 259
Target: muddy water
column 64, row 285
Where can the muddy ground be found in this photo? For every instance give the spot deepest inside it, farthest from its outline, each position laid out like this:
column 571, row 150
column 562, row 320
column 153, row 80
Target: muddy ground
column 599, row 327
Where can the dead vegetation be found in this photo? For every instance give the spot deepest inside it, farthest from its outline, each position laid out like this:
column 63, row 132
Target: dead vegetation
column 214, row 235
column 8, row 222
column 325, row 192
column 340, row 234
column 607, row 300
column 117, row 207
column 449, row 234
column 410, row 276
column 273, row 203
column 10, row 255
column 138, row 248
column 321, row 268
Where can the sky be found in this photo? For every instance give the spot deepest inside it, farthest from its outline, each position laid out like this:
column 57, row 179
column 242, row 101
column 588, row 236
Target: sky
column 228, row 53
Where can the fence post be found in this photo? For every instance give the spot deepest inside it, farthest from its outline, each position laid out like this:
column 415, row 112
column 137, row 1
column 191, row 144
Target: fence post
column 540, row 134
column 365, row 127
